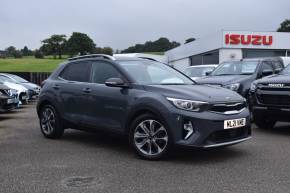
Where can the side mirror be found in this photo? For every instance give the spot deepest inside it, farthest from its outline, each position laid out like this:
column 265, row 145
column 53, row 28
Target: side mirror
column 208, row 73
column 115, row 82
column 267, row 73
column 278, row 70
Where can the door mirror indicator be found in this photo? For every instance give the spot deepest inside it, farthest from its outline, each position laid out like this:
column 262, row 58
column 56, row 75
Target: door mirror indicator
column 116, row 82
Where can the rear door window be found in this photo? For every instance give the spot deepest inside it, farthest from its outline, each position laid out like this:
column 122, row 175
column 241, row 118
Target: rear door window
column 77, row 71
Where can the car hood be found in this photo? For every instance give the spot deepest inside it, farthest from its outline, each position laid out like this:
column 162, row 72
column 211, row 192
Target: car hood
column 15, row 86
column 196, row 92
column 277, row 78
column 223, row 80
column 29, row 85
column 3, row 87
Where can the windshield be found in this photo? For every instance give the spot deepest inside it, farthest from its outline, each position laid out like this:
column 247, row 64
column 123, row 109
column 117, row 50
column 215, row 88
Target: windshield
column 151, row 72
column 236, row 68
column 18, row 79
column 198, row 71
column 6, row 79
column 286, row 71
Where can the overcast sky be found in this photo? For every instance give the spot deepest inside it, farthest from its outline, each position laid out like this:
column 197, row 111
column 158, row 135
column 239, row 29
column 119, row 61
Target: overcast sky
column 122, row 23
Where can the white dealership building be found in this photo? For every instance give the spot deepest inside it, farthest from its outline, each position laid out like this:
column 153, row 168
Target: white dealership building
column 229, row 45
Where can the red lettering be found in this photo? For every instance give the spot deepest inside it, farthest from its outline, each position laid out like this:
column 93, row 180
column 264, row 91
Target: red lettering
column 256, row 40
column 267, row 41
column 227, row 38
column 246, row 41
column 235, row 39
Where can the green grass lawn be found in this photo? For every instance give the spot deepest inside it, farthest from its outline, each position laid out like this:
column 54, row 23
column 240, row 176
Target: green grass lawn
column 29, row 64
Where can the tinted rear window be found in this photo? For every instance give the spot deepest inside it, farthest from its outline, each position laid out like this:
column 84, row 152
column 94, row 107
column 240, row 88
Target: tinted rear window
column 78, row 71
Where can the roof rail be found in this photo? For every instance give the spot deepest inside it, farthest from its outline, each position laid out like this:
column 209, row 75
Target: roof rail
column 93, row 56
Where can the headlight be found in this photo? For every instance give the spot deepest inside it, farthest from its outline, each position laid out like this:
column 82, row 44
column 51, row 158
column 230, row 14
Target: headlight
column 188, row 105
column 253, row 87
column 233, row 87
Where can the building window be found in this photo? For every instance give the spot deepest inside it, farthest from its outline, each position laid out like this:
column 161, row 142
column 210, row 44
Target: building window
column 207, row 58
column 254, row 53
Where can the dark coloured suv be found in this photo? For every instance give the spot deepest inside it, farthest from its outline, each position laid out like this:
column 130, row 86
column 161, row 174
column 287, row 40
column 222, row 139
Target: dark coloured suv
column 270, row 99
column 153, row 104
column 239, row 75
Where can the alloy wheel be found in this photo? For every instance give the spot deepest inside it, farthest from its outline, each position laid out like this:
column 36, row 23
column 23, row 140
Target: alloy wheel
column 48, row 121
column 150, row 137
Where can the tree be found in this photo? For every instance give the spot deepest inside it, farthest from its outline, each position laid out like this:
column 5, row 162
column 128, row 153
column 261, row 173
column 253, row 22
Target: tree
column 38, row 54
column 284, row 26
column 160, row 45
column 10, row 50
column 80, row 43
column 55, row 45
column 17, row 54
column 26, row 52
column 105, row 50
column 189, row 40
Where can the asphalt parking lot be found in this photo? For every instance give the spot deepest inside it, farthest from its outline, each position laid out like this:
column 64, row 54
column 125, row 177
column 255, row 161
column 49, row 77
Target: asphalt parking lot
column 86, row 162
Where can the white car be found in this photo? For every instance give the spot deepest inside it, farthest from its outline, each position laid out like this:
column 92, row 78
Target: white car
column 22, row 92
column 195, row 72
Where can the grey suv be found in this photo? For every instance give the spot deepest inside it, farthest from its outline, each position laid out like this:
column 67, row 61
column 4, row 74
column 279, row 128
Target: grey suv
column 153, row 104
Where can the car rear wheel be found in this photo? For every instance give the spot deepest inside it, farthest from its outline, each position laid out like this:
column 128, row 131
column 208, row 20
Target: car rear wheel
column 50, row 122
column 149, row 137
column 264, row 123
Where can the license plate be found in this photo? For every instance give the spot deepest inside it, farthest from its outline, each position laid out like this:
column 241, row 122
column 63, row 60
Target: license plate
column 235, row 123
column 10, row 101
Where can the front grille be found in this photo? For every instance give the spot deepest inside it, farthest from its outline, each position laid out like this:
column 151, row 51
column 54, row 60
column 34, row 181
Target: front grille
column 222, row 136
column 280, row 100
column 228, row 108
column 268, row 87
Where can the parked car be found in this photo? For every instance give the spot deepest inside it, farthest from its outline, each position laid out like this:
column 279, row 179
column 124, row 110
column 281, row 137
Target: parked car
column 8, row 99
column 195, row 72
column 239, row 75
column 33, row 89
column 22, row 92
column 270, row 99
column 153, row 104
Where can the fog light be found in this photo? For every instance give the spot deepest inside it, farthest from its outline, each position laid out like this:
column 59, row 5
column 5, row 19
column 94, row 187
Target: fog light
column 188, row 129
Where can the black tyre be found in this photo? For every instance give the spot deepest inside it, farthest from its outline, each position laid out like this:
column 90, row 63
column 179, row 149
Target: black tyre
column 50, row 122
column 264, row 122
column 23, row 101
column 150, row 137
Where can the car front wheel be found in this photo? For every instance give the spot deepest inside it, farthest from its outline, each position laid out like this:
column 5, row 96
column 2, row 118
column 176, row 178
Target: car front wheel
column 50, row 122
column 149, row 137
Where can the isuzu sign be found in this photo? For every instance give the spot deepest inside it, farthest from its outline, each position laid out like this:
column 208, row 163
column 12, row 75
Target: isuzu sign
column 236, row 39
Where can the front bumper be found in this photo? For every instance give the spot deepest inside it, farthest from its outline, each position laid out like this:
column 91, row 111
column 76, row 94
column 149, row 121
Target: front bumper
column 208, row 129
column 8, row 104
column 276, row 112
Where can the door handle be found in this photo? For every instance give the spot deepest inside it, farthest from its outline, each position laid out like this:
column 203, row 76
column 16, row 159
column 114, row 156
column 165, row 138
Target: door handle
column 56, row 86
column 87, row 90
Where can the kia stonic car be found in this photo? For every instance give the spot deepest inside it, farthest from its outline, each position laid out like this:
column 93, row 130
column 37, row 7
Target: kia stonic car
column 239, row 75
column 153, row 104
column 270, row 99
